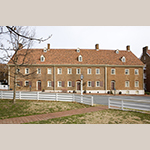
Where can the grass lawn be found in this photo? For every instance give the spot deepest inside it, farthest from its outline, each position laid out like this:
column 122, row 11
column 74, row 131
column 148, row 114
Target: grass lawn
column 101, row 117
column 26, row 108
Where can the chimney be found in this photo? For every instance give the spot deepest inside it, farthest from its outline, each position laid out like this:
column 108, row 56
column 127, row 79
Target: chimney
column 128, row 48
column 48, row 46
column 145, row 49
column 97, row 47
column 20, row 46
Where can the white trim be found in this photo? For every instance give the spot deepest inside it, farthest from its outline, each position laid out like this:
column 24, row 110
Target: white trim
column 137, row 71
column 68, row 83
column 127, row 73
column 89, row 71
column 68, row 71
column 88, row 84
column 96, row 71
column 49, row 72
column 59, row 70
column 135, row 83
column 114, row 71
column 25, row 83
column 48, row 83
column 128, row 83
column 42, row 58
column 26, row 71
column 58, row 83
column 77, row 71
column 80, row 58
column 96, row 83
column 38, row 70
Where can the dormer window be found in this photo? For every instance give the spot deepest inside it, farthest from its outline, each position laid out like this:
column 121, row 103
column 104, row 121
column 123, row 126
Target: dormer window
column 80, row 58
column 117, row 51
column 45, row 50
column 123, row 59
column 78, row 50
column 42, row 58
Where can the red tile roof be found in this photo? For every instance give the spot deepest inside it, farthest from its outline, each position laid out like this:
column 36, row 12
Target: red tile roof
column 89, row 56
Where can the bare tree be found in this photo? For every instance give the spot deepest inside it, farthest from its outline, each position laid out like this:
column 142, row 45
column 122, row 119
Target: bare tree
column 20, row 40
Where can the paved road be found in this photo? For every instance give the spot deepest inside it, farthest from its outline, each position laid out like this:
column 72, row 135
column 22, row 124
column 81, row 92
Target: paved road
column 103, row 99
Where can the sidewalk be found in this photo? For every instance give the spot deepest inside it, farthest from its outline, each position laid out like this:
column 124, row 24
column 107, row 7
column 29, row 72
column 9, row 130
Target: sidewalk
column 33, row 118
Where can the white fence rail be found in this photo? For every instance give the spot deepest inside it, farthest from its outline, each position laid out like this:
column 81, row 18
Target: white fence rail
column 114, row 103
column 48, row 96
column 4, row 87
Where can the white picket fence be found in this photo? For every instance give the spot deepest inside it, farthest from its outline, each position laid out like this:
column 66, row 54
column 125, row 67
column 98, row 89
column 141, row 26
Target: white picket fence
column 48, row 96
column 114, row 103
column 4, row 87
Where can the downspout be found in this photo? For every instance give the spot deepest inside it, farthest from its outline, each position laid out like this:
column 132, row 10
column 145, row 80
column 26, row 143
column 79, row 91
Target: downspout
column 105, row 78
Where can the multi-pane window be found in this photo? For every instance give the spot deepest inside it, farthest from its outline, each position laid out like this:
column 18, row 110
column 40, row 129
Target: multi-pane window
column 80, row 58
column 59, row 83
column 49, row 83
column 126, row 71
column 97, row 71
column 136, row 71
column 112, row 71
column 136, row 83
column 42, row 58
column 127, row 83
column 89, row 84
column 69, row 83
column 89, row 71
column 59, row 71
column 27, row 71
column 38, row 71
column 49, row 71
column 97, row 83
column 26, row 83
column 69, row 71
column 78, row 71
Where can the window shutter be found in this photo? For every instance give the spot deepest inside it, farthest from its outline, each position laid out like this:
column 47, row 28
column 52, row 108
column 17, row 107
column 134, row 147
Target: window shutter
column 20, row 83
column 93, row 83
column 73, row 84
column 101, row 83
column 52, row 83
column 63, row 83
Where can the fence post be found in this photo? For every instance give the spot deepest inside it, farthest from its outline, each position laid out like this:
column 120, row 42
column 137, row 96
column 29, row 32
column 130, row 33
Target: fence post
column 73, row 97
column 19, row 94
column 121, row 104
column 92, row 100
column 37, row 95
column 109, row 102
column 81, row 98
column 56, row 96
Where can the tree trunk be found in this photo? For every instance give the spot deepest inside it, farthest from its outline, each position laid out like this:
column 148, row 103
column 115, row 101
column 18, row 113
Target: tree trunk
column 15, row 78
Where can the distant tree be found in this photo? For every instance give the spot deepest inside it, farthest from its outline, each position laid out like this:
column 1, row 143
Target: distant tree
column 12, row 40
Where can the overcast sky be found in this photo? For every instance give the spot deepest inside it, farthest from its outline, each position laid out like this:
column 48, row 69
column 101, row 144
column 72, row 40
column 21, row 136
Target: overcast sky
column 108, row 37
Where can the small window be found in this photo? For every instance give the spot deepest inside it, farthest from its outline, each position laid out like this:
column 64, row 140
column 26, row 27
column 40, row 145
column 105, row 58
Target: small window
column 97, row 83
column 49, row 71
column 49, row 83
column 69, row 83
column 117, row 51
column 89, row 71
column 59, row 84
column 78, row 71
column 136, row 71
column 69, row 71
column 127, row 83
column 42, row 58
column 26, row 83
column 78, row 50
column 126, row 71
column 59, row 71
column 89, row 84
column 97, row 71
column 113, row 71
column 38, row 71
column 80, row 58
column 136, row 83
column 27, row 71
column 123, row 59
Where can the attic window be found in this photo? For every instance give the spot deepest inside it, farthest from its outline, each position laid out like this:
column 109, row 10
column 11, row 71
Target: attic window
column 78, row 50
column 123, row 59
column 42, row 58
column 45, row 50
column 80, row 58
column 117, row 51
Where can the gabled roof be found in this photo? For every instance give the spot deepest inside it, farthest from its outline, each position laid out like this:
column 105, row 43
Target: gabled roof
column 70, row 56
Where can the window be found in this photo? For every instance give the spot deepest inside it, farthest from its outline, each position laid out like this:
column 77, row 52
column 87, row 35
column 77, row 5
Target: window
column 18, row 83
column 126, row 71
column 89, row 84
column 69, row 83
column 123, row 59
column 80, row 58
column 42, row 58
column 97, row 71
column 49, row 71
column 69, row 71
column 59, row 71
column 78, row 71
column 89, row 71
column 59, row 84
column 127, row 83
column 27, row 71
column 97, row 83
column 136, row 71
column 38, row 71
column 117, row 51
column 78, row 50
column 26, row 83
column 136, row 83
column 18, row 70
column 49, row 83
column 112, row 71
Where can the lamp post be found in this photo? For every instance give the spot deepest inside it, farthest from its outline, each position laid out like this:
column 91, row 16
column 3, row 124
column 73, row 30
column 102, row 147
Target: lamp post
column 81, row 77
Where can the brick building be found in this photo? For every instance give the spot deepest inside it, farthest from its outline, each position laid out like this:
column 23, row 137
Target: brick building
column 145, row 58
column 57, row 70
column 3, row 74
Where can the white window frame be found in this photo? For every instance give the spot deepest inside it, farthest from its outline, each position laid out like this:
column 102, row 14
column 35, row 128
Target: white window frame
column 26, row 72
column 42, row 58
column 97, row 82
column 136, row 83
column 26, row 82
column 127, row 72
column 123, row 59
column 98, row 71
column 89, row 71
column 80, row 58
column 69, row 84
column 114, row 71
column 49, row 83
column 59, row 83
column 77, row 71
column 69, row 71
column 128, row 84
column 137, row 71
column 59, row 70
column 88, row 84
column 49, row 70
column 38, row 70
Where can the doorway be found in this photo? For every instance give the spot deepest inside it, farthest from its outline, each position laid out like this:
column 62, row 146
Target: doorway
column 78, row 85
column 112, row 85
column 39, row 85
